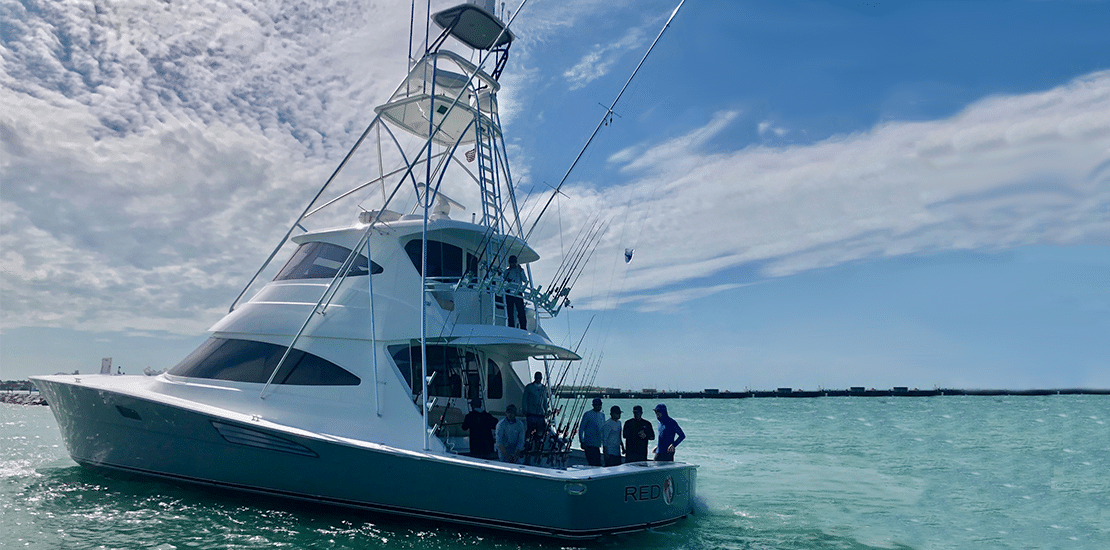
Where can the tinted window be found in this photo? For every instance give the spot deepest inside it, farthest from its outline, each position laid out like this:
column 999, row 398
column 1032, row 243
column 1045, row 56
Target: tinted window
column 496, row 388
column 249, row 361
column 445, row 361
column 317, row 260
column 445, row 261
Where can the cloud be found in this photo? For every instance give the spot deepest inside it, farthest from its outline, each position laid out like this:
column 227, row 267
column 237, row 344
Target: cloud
column 1005, row 172
column 597, row 62
column 152, row 152
column 766, row 127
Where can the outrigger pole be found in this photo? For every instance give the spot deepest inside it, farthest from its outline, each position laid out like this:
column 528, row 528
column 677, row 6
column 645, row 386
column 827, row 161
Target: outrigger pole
column 608, row 114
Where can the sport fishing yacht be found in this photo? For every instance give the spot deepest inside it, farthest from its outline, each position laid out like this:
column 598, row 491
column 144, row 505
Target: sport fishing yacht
column 344, row 379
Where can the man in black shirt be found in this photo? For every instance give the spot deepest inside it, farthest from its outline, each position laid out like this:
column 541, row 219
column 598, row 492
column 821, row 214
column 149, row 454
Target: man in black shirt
column 637, row 433
column 480, row 424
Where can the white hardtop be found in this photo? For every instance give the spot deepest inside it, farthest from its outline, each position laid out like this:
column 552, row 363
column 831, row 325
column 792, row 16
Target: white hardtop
column 406, row 227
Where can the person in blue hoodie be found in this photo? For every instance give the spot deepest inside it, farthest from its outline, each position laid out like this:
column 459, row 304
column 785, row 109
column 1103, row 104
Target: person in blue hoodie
column 670, row 435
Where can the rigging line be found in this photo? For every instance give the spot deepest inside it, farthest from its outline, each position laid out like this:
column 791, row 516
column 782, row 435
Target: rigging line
column 566, row 369
column 572, row 408
column 643, row 219
column 412, row 22
column 562, row 377
column 608, row 114
column 379, row 179
column 579, row 380
column 579, row 261
column 381, row 167
column 587, row 252
column 574, row 281
column 582, row 243
column 504, row 161
column 555, row 401
column 568, row 257
column 607, row 323
column 532, row 205
column 562, row 254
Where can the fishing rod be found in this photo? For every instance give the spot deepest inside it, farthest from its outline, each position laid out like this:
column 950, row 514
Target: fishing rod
column 580, row 249
column 579, row 274
column 556, row 401
column 580, row 242
column 608, row 115
column 574, row 246
column 582, row 260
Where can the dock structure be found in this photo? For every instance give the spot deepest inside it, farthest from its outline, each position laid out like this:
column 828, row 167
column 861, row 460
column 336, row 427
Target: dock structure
column 855, row 391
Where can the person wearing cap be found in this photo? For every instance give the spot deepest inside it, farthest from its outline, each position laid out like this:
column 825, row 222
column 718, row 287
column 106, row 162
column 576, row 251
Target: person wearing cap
column 589, row 433
column 510, row 436
column 611, row 437
column 480, row 423
column 670, row 435
column 637, row 433
column 514, row 304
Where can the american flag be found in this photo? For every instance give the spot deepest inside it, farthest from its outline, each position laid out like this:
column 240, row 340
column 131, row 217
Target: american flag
column 470, row 155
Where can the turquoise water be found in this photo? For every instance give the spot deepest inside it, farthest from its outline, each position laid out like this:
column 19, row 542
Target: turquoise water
column 900, row 472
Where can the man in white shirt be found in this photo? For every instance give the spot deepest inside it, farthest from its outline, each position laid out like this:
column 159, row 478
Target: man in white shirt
column 589, row 433
column 510, row 436
column 611, row 437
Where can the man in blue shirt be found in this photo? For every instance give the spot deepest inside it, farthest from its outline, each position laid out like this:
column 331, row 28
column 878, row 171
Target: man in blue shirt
column 670, row 435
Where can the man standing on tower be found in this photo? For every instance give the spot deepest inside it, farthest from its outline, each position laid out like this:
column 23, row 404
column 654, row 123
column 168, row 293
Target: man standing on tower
column 514, row 304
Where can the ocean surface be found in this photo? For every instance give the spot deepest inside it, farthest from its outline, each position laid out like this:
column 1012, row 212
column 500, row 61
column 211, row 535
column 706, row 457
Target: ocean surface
column 836, row 472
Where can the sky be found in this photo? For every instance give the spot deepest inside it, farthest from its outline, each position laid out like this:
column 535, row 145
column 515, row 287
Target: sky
column 818, row 193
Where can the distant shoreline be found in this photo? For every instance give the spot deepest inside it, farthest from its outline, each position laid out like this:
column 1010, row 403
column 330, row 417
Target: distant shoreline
column 793, row 393
column 21, row 397
column 22, row 392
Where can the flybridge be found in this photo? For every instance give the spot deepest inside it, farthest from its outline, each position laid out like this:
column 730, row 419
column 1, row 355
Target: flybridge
column 450, row 105
column 460, row 111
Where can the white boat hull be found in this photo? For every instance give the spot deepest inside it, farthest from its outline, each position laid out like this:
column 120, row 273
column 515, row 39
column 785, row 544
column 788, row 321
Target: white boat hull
column 105, row 429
